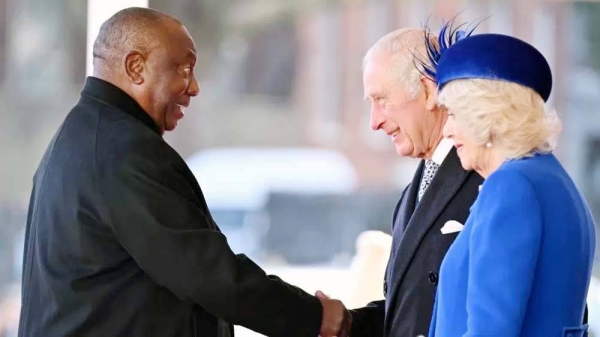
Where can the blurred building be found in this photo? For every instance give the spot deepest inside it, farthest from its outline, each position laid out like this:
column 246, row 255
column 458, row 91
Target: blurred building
column 284, row 74
column 292, row 76
column 273, row 73
column 332, row 43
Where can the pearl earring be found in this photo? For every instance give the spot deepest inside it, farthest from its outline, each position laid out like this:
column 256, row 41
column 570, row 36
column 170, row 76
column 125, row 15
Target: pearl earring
column 488, row 144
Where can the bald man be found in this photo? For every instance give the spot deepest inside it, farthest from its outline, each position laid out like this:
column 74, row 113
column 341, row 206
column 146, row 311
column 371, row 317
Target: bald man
column 119, row 239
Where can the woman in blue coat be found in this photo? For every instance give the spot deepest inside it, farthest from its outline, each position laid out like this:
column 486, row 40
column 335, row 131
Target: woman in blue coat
column 521, row 265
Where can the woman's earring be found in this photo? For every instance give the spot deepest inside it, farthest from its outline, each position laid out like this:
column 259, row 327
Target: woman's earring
column 488, row 144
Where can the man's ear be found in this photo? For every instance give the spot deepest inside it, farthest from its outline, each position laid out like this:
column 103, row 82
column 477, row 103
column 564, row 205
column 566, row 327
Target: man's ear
column 134, row 63
column 430, row 93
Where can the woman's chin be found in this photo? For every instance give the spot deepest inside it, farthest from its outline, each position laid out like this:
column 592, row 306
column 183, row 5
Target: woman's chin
column 466, row 165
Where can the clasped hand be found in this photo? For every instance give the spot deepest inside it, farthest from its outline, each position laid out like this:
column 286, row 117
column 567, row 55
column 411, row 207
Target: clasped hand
column 337, row 320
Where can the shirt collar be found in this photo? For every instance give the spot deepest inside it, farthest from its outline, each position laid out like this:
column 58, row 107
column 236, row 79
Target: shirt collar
column 109, row 94
column 442, row 150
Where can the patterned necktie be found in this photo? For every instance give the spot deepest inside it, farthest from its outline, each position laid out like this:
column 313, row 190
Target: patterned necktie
column 430, row 169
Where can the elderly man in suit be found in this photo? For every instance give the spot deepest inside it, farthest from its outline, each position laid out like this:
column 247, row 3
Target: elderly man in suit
column 119, row 239
column 432, row 209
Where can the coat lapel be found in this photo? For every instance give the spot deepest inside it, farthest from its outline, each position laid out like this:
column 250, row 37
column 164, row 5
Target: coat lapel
column 407, row 207
column 446, row 183
column 401, row 220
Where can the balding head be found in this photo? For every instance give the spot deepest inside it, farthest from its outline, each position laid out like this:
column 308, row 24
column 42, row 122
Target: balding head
column 129, row 29
column 150, row 56
column 402, row 49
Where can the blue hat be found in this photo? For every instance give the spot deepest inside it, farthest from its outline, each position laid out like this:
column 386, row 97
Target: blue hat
column 487, row 56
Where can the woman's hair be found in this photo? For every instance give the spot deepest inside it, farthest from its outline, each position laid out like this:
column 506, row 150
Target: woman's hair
column 510, row 116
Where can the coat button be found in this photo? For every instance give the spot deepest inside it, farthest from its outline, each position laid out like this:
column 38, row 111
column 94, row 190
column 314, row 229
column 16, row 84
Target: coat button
column 433, row 277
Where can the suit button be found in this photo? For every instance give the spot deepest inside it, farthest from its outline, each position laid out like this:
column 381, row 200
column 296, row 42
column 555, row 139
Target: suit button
column 433, row 277
column 385, row 287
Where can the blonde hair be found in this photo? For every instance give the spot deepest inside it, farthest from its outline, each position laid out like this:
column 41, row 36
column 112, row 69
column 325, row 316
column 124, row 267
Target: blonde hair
column 512, row 117
column 402, row 46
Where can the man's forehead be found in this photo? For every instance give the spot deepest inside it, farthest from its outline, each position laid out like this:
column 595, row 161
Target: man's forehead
column 377, row 67
column 180, row 41
column 374, row 78
column 187, row 46
column 188, row 41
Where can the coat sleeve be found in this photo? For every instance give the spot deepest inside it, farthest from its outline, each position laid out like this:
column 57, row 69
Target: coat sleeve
column 503, row 251
column 368, row 321
column 157, row 217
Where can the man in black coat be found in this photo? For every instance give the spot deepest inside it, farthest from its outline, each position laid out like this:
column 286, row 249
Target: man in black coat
column 119, row 239
column 433, row 207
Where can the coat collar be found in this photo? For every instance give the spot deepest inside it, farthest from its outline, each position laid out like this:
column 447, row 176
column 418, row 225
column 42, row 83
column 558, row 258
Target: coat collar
column 109, row 94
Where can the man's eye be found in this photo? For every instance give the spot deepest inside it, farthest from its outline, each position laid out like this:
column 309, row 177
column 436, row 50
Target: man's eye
column 187, row 71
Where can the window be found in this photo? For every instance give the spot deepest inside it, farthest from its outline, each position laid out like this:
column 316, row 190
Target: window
column 271, row 61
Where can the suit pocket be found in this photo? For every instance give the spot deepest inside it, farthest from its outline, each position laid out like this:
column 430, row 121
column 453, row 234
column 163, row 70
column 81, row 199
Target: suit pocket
column 576, row 332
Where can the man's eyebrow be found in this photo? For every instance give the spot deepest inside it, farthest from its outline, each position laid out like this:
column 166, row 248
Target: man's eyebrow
column 373, row 94
column 191, row 53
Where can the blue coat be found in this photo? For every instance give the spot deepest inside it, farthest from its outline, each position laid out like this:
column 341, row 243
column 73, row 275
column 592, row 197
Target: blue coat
column 522, row 264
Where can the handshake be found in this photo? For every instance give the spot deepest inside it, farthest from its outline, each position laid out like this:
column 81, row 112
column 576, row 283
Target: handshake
column 337, row 320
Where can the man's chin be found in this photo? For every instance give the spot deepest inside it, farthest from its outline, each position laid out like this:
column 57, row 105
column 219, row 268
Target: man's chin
column 173, row 118
column 171, row 127
column 404, row 152
column 171, row 124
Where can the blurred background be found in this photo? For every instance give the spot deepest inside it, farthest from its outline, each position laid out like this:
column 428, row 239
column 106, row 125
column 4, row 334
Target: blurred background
column 279, row 137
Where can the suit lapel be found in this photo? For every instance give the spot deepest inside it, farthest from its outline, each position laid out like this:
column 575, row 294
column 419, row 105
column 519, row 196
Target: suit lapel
column 407, row 207
column 447, row 181
column 403, row 215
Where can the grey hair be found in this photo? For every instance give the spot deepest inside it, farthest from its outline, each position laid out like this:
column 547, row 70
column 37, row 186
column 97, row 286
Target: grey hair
column 128, row 29
column 403, row 47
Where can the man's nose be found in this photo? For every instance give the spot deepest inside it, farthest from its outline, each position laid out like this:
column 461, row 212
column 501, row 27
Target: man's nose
column 377, row 118
column 194, row 87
